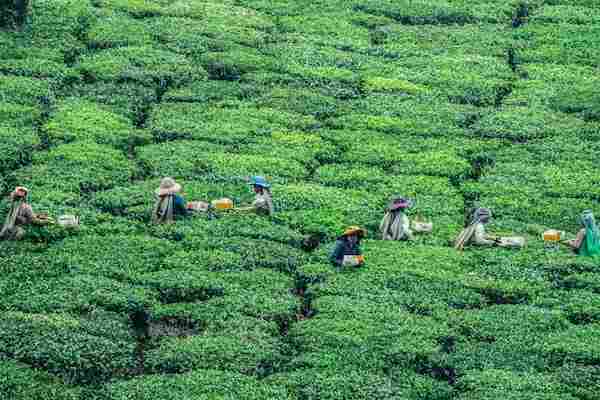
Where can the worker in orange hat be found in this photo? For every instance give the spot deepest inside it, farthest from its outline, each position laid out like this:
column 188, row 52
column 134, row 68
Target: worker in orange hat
column 347, row 248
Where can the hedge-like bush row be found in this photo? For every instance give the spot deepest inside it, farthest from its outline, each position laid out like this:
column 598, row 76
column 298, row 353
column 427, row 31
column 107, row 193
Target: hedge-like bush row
column 77, row 121
column 144, row 64
column 230, row 123
column 78, row 167
column 203, row 383
column 23, row 90
column 20, row 382
column 61, row 344
column 16, row 147
column 340, row 104
column 196, row 159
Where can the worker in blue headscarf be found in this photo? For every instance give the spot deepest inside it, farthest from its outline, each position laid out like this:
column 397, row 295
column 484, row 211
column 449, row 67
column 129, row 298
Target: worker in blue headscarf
column 263, row 201
column 587, row 242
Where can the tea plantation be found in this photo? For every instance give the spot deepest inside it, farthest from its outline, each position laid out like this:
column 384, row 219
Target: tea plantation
column 341, row 104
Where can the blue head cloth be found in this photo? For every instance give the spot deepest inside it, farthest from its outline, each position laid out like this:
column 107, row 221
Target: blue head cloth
column 260, row 181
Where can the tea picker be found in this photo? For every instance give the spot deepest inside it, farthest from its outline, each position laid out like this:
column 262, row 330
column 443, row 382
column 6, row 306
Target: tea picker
column 347, row 251
column 21, row 215
column 587, row 241
column 263, row 201
column 475, row 233
column 169, row 203
column 395, row 224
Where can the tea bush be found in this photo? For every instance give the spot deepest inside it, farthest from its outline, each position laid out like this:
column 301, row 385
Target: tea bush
column 578, row 344
column 145, row 65
column 521, row 124
column 60, row 24
column 336, row 326
column 196, row 159
column 203, row 383
column 579, row 380
column 173, row 121
column 16, row 147
column 61, row 344
column 21, row 382
column 576, row 44
column 569, row 14
column 258, row 294
column 534, row 202
column 564, row 88
column 128, row 99
column 178, row 159
column 116, row 30
column 394, row 156
column 357, row 176
column 487, row 344
column 477, row 80
column 75, row 167
column 301, row 101
column 205, row 11
column 23, row 90
column 99, row 125
column 306, row 148
column 422, row 13
column 315, row 28
column 478, row 39
column 316, row 383
column 121, row 257
column 455, row 104
column 232, row 65
column 186, row 35
column 80, row 294
column 37, row 63
column 255, row 252
column 231, row 350
column 215, row 91
column 490, row 383
column 19, row 116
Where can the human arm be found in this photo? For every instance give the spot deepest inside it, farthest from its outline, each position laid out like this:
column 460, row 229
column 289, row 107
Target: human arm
column 257, row 206
column 481, row 238
column 337, row 255
column 576, row 243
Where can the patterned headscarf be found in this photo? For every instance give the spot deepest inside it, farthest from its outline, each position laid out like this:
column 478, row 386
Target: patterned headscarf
column 16, row 201
column 588, row 220
column 591, row 244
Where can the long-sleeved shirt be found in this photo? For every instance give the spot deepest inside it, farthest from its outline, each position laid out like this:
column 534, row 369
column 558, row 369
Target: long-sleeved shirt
column 179, row 205
column 343, row 248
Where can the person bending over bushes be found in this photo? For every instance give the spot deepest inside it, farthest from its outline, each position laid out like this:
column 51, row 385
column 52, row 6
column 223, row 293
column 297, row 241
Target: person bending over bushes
column 475, row 234
column 395, row 224
column 347, row 248
column 169, row 203
column 263, row 202
column 587, row 242
column 20, row 214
